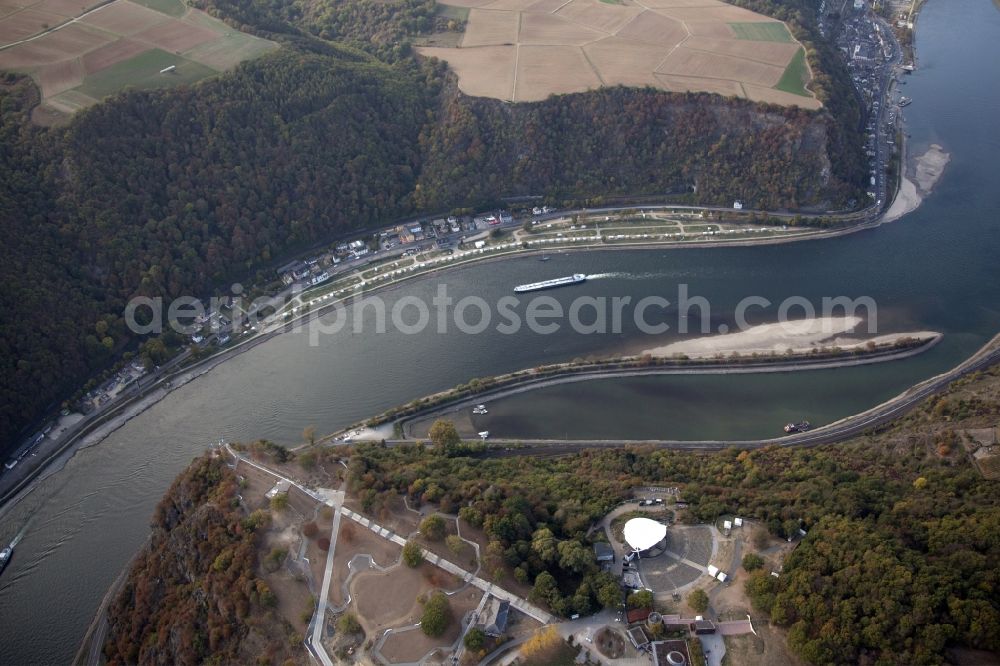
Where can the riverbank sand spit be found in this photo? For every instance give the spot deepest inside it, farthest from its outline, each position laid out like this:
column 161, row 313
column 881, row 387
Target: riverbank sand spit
column 799, row 336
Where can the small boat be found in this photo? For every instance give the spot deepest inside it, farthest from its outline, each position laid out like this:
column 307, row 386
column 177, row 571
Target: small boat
column 480, row 409
column 484, row 434
column 802, row 426
column 545, row 257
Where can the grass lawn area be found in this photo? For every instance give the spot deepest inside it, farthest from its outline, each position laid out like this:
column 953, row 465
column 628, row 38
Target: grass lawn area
column 761, row 32
column 169, row 7
column 143, row 71
column 795, row 76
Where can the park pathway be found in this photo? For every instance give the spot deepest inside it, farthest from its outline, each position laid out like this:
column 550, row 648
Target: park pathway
column 504, row 595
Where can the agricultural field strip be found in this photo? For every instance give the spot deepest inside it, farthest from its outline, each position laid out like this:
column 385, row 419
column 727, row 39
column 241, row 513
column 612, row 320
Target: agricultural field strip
column 598, row 68
column 93, row 46
column 62, row 25
column 675, row 47
column 724, row 55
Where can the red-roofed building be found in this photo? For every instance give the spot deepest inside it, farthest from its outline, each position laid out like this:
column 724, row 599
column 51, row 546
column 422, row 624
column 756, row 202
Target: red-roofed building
column 634, row 615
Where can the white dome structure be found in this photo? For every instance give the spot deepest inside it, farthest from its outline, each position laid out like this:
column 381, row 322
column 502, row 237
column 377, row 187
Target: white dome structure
column 643, row 533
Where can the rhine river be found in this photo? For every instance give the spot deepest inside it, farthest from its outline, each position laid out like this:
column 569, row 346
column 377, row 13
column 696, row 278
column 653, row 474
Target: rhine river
column 935, row 269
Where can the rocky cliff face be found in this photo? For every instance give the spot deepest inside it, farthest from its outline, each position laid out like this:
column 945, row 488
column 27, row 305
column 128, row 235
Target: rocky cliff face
column 193, row 595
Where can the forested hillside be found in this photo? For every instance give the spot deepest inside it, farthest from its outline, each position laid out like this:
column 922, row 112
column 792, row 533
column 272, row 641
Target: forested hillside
column 900, row 561
column 167, row 193
column 831, row 83
column 380, row 27
column 627, row 141
column 176, row 192
column 193, row 596
column 899, row 564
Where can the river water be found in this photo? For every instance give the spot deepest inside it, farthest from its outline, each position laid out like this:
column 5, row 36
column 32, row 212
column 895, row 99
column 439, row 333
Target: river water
column 935, row 269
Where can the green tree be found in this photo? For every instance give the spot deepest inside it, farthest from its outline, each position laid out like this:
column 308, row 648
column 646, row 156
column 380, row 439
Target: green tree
column 436, row 616
column 412, row 554
column 307, row 460
column 760, row 588
column 433, row 527
column 545, row 588
column 279, row 502
column 348, row 624
column 275, row 559
column 698, row 600
column 640, row 599
column 474, row 639
column 574, row 556
column 544, row 544
column 455, row 543
column 610, row 595
column 471, row 515
column 752, row 561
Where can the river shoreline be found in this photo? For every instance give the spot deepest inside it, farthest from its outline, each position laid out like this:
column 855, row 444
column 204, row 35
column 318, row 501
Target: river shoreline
column 917, row 181
column 66, row 450
column 55, row 461
column 800, row 337
column 530, row 379
column 24, row 592
column 883, row 413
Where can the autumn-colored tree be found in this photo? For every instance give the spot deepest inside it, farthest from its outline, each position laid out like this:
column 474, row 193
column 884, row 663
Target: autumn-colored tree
column 542, row 645
column 412, row 554
column 444, row 436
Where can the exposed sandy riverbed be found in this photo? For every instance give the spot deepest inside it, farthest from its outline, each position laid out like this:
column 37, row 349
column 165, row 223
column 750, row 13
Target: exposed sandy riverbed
column 918, row 182
column 797, row 336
